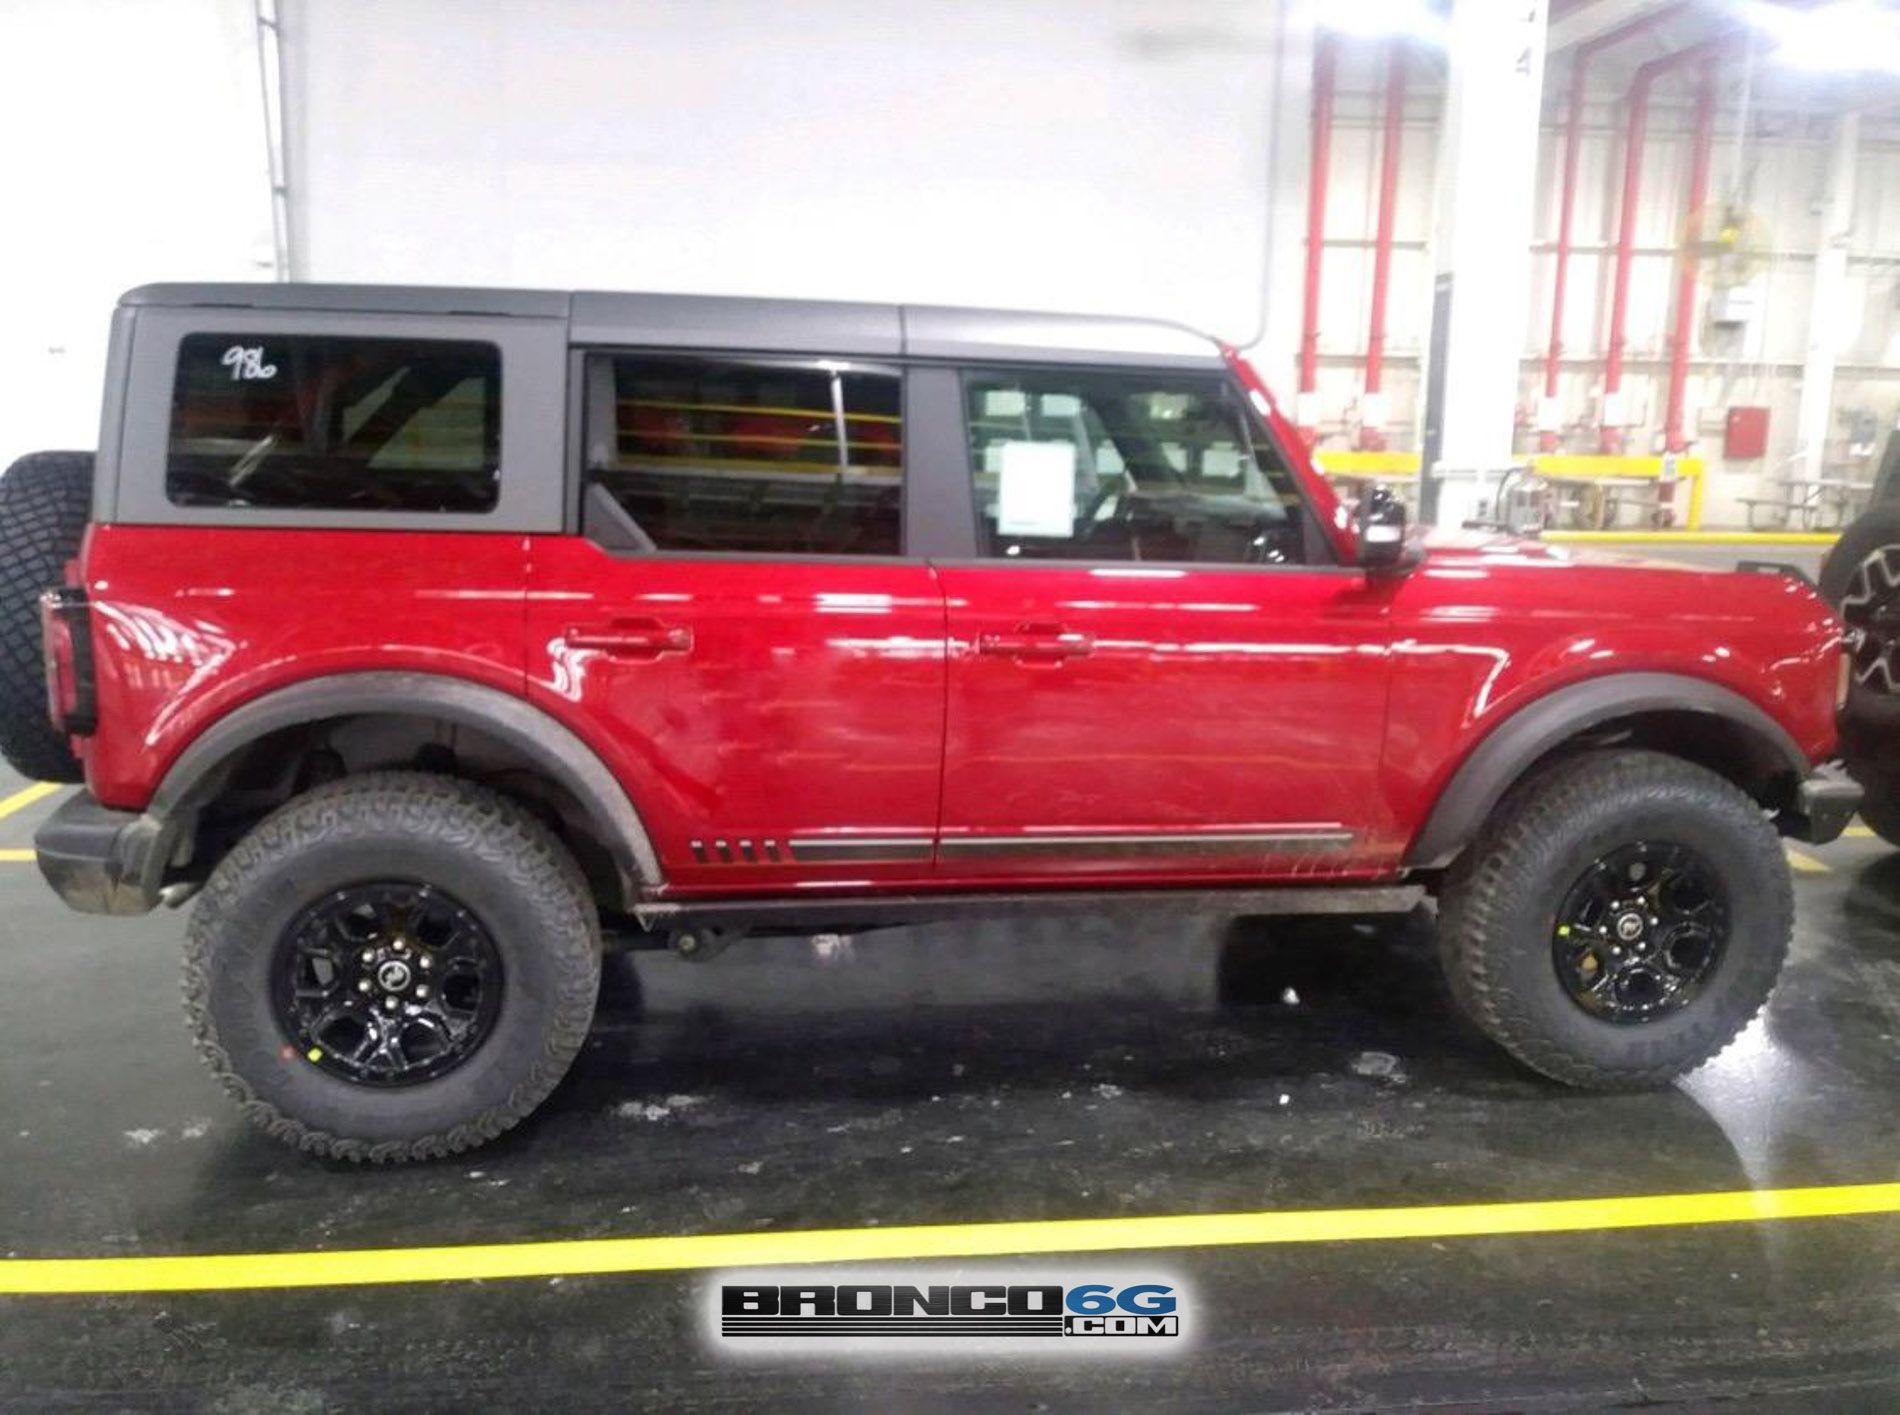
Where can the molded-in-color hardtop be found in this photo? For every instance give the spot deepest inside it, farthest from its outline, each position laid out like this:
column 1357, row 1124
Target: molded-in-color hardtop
column 603, row 318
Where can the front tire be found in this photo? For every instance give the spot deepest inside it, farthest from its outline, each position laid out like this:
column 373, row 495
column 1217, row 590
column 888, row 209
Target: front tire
column 393, row 967
column 1618, row 923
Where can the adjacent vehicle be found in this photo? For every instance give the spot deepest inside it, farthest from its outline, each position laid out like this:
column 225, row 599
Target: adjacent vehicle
column 1860, row 577
column 437, row 640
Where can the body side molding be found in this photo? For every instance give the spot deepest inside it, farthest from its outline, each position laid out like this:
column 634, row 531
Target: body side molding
column 1533, row 730
column 512, row 720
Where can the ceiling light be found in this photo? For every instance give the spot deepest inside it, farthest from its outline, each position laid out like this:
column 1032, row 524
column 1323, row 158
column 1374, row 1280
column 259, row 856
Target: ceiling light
column 1847, row 36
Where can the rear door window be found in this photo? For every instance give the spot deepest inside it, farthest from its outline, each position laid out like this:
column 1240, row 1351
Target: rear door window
column 762, row 458
column 301, row 422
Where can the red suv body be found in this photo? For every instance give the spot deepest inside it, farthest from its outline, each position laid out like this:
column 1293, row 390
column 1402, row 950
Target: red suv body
column 783, row 616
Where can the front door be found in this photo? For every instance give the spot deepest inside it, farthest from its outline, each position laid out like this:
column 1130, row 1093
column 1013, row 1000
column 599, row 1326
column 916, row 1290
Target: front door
column 739, row 632
column 1156, row 670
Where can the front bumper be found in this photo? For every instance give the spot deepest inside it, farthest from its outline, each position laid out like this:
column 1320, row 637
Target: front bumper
column 1824, row 803
column 102, row 861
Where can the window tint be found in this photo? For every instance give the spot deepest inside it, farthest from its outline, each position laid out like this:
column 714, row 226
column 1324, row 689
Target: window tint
column 1076, row 465
column 760, row 458
column 305, row 423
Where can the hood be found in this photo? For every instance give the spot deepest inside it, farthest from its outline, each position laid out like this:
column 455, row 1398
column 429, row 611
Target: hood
column 1449, row 547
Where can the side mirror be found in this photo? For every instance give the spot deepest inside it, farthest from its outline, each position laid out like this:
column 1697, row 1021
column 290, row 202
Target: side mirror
column 1381, row 530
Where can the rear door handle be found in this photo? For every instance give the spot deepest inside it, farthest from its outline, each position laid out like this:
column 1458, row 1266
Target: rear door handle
column 1052, row 642
column 631, row 638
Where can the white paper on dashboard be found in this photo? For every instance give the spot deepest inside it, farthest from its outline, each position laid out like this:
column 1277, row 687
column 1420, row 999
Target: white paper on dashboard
column 1036, row 491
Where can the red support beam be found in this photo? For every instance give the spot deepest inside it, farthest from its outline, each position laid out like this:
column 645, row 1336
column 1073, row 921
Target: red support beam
column 1697, row 199
column 1612, row 437
column 1372, row 435
column 1567, row 200
column 1324, row 65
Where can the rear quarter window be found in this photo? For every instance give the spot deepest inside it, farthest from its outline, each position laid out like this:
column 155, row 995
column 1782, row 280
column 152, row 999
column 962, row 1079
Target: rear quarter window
column 300, row 422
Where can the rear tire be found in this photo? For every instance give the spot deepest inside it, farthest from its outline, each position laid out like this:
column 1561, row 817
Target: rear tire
column 1586, row 825
column 45, row 501
column 340, row 874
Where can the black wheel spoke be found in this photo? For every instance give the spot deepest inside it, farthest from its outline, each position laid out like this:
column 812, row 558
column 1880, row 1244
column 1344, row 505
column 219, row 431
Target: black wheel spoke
column 1640, row 931
column 387, row 983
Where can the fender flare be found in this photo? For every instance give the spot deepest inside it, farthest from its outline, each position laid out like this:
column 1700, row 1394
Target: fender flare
column 526, row 728
column 1516, row 743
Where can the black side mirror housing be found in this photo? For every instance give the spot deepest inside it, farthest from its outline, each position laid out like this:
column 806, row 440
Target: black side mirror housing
column 1381, row 530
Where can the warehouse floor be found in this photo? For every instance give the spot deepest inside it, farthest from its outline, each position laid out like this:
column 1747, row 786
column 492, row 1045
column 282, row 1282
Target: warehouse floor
column 965, row 1076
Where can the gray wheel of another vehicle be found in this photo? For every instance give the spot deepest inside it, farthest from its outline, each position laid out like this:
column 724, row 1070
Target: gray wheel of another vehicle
column 1622, row 918
column 393, row 967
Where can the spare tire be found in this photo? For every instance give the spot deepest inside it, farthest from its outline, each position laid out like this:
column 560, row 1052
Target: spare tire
column 45, row 501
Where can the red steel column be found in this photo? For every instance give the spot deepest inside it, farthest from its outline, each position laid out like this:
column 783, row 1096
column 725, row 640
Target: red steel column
column 1567, row 199
column 1323, row 72
column 1372, row 437
column 1673, row 439
column 1646, row 77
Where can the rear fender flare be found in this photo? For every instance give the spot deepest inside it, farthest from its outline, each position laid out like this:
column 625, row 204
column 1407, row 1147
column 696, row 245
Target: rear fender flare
column 522, row 726
column 1515, row 745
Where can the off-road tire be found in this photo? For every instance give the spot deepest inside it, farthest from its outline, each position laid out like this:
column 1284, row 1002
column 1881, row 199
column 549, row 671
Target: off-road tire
column 1502, row 895
column 1870, row 720
column 497, row 859
column 45, row 501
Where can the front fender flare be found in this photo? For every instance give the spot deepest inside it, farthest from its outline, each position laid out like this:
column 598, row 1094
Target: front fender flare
column 1516, row 743
column 522, row 726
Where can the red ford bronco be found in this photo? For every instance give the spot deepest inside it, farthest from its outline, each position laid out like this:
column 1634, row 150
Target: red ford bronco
column 437, row 639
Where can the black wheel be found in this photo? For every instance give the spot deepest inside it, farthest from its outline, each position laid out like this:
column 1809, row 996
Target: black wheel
column 45, row 501
column 393, row 967
column 1862, row 581
column 1622, row 918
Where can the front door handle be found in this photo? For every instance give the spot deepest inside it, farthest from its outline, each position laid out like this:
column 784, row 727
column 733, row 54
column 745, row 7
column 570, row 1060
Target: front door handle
column 1037, row 641
column 631, row 638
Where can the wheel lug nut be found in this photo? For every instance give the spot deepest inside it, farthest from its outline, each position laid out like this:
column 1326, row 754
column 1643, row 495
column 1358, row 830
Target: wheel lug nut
column 426, row 962
column 362, row 985
column 369, row 956
column 422, row 989
column 389, row 1003
column 402, row 945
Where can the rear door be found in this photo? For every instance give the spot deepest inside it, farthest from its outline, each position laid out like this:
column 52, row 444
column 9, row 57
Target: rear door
column 739, row 630
column 1157, row 669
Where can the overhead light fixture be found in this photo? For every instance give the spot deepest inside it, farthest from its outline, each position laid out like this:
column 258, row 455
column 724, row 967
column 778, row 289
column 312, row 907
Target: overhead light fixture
column 1387, row 19
column 1845, row 36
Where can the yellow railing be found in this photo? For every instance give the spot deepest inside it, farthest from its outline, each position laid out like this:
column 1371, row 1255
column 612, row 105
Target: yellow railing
column 1555, row 466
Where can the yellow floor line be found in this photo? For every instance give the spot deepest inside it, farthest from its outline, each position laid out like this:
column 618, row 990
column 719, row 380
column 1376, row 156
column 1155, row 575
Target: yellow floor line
column 16, row 857
column 1860, row 832
column 1804, row 862
column 363, row 1267
column 26, row 796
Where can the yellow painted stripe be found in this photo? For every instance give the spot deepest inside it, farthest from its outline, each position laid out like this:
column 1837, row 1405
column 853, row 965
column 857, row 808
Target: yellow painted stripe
column 1693, row 538
column 977, row 1240
column 16, row 857
column 1805, row 863
column 26, row 796
column 1576, row 466
column 1859, row 832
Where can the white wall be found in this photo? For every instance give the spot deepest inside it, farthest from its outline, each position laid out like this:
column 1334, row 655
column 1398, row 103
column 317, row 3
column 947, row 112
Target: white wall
column 131, row 150
column 1031, row 153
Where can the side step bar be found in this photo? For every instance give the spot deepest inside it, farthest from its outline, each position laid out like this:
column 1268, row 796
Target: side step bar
column 843, row 915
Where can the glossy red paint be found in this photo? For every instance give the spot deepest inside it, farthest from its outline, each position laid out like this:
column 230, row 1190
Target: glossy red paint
column 942, row 722
column 189, row 623
column 1198, row 699
column 798, row 701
